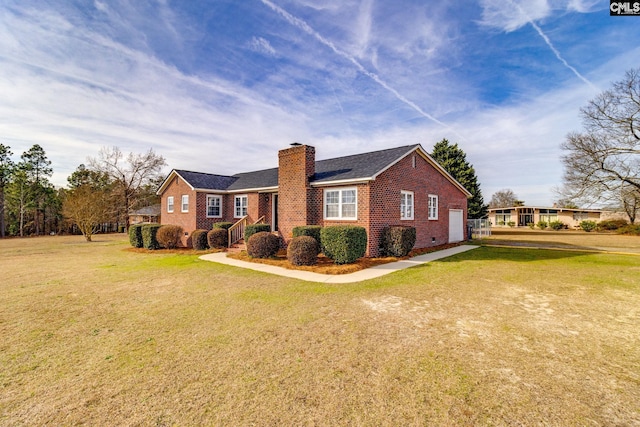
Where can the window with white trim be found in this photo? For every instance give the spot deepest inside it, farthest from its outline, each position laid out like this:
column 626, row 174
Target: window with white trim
column 170, row 204
column 185, row 203
column 341, row 203
column 406, row 205
column 241, row 204
column 433, row 206
column 214, row 206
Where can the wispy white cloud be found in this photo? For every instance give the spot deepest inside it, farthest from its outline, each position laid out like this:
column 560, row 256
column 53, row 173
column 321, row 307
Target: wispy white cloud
column 352, row 76
column 261, row 45
column 299, row 23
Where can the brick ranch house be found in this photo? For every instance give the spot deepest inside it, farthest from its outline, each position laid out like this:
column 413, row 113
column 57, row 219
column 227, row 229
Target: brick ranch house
column 397, row 186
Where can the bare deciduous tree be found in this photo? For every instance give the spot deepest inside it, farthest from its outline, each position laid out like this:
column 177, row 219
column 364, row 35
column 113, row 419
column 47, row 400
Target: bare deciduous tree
column 504, row 199
column 602, row 163
column 130, row 174
column 87, row 207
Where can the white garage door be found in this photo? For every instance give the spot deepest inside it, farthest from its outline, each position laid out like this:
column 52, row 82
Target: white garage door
column 456, row 231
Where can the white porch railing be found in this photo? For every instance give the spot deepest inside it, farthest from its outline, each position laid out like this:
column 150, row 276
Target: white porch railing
column 236, row 231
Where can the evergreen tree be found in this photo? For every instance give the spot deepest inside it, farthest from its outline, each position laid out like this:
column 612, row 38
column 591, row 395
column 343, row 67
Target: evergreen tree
column 454, row 161
column 38, row 168
column 6, row 169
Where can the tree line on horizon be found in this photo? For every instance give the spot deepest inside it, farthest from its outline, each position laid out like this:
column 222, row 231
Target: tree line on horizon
column 601, row 164
column 101, row 194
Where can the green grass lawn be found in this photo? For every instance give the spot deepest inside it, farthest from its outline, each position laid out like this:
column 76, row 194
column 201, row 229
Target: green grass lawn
column 95, row 334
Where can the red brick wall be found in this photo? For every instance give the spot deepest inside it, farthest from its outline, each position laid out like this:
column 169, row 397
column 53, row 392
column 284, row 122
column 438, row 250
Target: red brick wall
column 299, row 204
column 295, row 166
column 423, row 180
column 187, row 220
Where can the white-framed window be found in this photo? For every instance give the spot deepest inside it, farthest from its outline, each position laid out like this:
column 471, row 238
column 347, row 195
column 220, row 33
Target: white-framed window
column 240, row 204
column 579, row 216
column 185, row 203
column 548, row 215
column 406, row 205
column 503, row 216
column 214, row 206
column 170, row 204
column 433, row 206
column 341, row 203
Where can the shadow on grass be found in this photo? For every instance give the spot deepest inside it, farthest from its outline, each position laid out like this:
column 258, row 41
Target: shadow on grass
column 520, row 254
column 539, row 244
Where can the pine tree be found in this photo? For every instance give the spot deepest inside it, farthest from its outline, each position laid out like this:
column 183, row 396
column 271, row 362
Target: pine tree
column 6, row 169
column 454, row 161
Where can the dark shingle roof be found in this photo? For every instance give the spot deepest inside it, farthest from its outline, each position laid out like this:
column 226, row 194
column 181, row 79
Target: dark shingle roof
column 257, row 179
column 358, row 166
column 206, row 181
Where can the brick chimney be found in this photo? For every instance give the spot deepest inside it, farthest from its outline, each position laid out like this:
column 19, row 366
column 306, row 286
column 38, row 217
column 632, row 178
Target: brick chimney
column 296, row 165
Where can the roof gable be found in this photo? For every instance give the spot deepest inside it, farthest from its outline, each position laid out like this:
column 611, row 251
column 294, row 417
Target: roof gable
column 364, row 166
column 199, row 180
column 357, row 167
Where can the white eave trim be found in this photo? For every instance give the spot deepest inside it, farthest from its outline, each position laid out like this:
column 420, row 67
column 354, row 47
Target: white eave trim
column 168, row 179
column 341, row 182
column 254, row 190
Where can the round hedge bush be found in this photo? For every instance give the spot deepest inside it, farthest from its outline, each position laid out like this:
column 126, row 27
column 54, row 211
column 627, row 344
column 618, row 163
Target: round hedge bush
column 223, row 224
column 263, row 245
column 218, row 238
column 135, row 235
column 169, row 236
column 344, row 244
column 199, row 240
column 252, row 229
column 303, row 250
column 397, row 240
column 309, row 230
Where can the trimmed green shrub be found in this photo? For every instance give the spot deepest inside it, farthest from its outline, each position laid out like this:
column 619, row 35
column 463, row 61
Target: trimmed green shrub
column 344, row 244
column 611, row 224
column 542, row 225
column 588, row 226
column 149, row 240
column 223, row 225
column 531, row 225
column 557, row 225
column 630, row 229
column 511, row 224
column 252, row 229
column 263, row 244
column 169, row 236
column 303, row 250
column 397, row 240
column 309, row 230
column 135, row 235
column 199, row 240
column 218, row 238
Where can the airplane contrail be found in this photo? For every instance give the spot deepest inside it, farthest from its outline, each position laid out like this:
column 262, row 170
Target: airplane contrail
column 552, row 47
column 307, row 29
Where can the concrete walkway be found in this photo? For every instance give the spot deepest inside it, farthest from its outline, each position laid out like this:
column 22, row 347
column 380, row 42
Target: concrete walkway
column 358, row 276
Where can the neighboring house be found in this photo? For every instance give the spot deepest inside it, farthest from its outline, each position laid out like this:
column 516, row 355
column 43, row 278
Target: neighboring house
column 146, row 214
column 521, row 216
column 398, row 186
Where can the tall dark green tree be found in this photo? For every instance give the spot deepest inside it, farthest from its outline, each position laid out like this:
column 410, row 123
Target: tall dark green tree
column 454, row 160
column 38, row 169
column 6, row 169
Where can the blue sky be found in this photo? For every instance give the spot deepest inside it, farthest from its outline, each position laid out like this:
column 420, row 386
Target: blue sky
column 219, row 86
